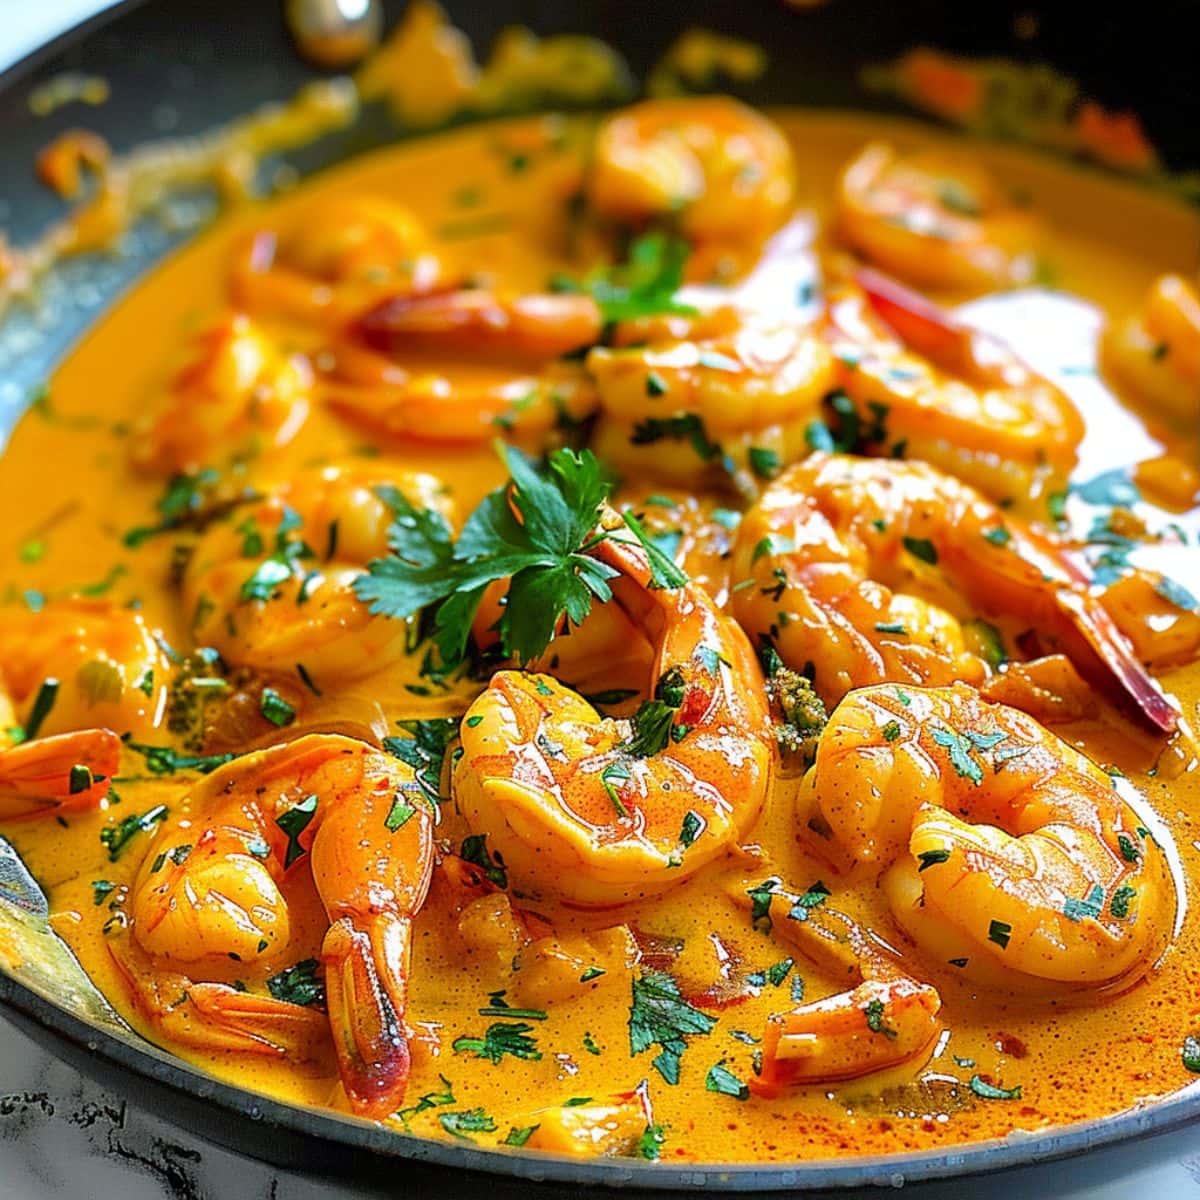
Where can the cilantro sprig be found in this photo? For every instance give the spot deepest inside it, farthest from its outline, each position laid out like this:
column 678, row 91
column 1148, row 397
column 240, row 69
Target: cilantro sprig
column 534, row 531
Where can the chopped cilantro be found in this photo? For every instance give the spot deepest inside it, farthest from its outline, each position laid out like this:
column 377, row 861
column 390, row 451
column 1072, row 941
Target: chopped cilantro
column 989, row 1091
column 117, row 837
column 460, row 1124
column 659, row 1015
column 999, row 932
column 726, row 1083
column 275, row 708
column 298, row 984
column 425, row 751
column 501, row 1038
column 474, row 850
column 293, row 823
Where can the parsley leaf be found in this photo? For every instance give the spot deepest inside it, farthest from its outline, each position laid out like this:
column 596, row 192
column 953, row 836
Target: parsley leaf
column 660, row 1016
column 298, row 984
column 533, row 532
column 989, row 1091
column 501, row 1038
column 425, row 750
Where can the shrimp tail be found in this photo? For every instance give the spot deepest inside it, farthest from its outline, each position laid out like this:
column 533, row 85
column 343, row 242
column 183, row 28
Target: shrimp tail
column 880, row 1023
column 216, row 1016
column 1104, row 644
column 928, row 328
column 69, row 771
column 365, row 989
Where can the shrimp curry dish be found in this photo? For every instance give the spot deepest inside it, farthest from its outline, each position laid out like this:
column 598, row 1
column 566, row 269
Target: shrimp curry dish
column 668, row 633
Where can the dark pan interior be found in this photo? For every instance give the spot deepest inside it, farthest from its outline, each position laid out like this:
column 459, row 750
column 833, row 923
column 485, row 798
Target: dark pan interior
column 183, row 69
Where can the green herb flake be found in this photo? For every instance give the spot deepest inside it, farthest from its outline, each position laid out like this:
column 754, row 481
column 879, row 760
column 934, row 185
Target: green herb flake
column 116, row 838
column 298, row 985
column 275, row 708
column 293, row 823
column 999, row 932
column 989, row 1091
column 659, row 1015
column 724, row 1082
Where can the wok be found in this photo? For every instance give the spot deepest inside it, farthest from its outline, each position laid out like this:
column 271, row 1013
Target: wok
column 184, row 68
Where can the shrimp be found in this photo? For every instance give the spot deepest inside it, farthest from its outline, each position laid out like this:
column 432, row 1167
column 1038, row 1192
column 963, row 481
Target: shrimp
column 209, row 891
column 736, row 389
column 66, row 773
column 887, row 1019
column 937, row 222
column 83, row 664
column 271, row 586
column 597, row 810
column 1156, row 351
column 508, row 376
column 1006, row 852
column 240, row 394
column 344, row 255
column 924, row 386
column 711, row 167
column 868, row 570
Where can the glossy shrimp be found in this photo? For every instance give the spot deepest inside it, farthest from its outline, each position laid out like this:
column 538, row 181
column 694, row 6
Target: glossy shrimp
column 922, row 385
column 1156, row 351
column 869, row 570
column 597, row 810
column 734, row 389
column 1006, row 852
column 83, row 664
column 710, row 167
column 240, row 394
column 343, row 256
column 211, row 893
column 887, row 1019
column 271, row 586
column 390, row 373
column 935, row 221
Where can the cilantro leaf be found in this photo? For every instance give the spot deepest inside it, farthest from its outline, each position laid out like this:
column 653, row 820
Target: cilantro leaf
column 501, row 1038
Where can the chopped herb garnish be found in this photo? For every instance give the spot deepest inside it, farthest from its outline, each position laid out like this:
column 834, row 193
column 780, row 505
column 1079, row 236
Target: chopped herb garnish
column 101, row 890
column 922, row 548
column 874, row 1013
column 931, row 858
column 43, row 702
column 293, row 823
column 298, row 984
column 275, row 708
column 519, row 1136
column 1119, row 904
column 659, row 1015
column 117, row 837
column 166, row 760
column 500, row 1039
column 726, row 1083
column 764, row 463
column 651, row 1142
column 460, row 1124
column 425, row 751
column 989, row 1091
column 429, row 1100
column 474, row 850
column 960, row 754
column 1190, row 1054
column 999, row 932
column 664, row 574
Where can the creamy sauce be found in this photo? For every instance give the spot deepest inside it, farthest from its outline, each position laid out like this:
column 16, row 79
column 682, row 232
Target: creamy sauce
column 67, row 487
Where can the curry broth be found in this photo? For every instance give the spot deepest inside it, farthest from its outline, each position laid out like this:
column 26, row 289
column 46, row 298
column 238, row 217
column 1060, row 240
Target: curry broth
column 496, row 195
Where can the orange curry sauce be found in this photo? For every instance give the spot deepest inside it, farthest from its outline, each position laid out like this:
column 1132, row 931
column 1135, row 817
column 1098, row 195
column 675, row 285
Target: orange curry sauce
column 496, row 202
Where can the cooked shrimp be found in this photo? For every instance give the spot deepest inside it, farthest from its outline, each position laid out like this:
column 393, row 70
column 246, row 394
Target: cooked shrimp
column 684, row 410
column 711, row 167
column 209, row 891
column 56, row 775
column 936, row 221
column 887, row 1019
column 1008, row 853
column 868, row 570
column 344, row 255
column 1156, row 351
column 596, row 810
column 240, row 394
column 924, row 386
column 271, row 586
column 391, row 376
column 94, row 664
